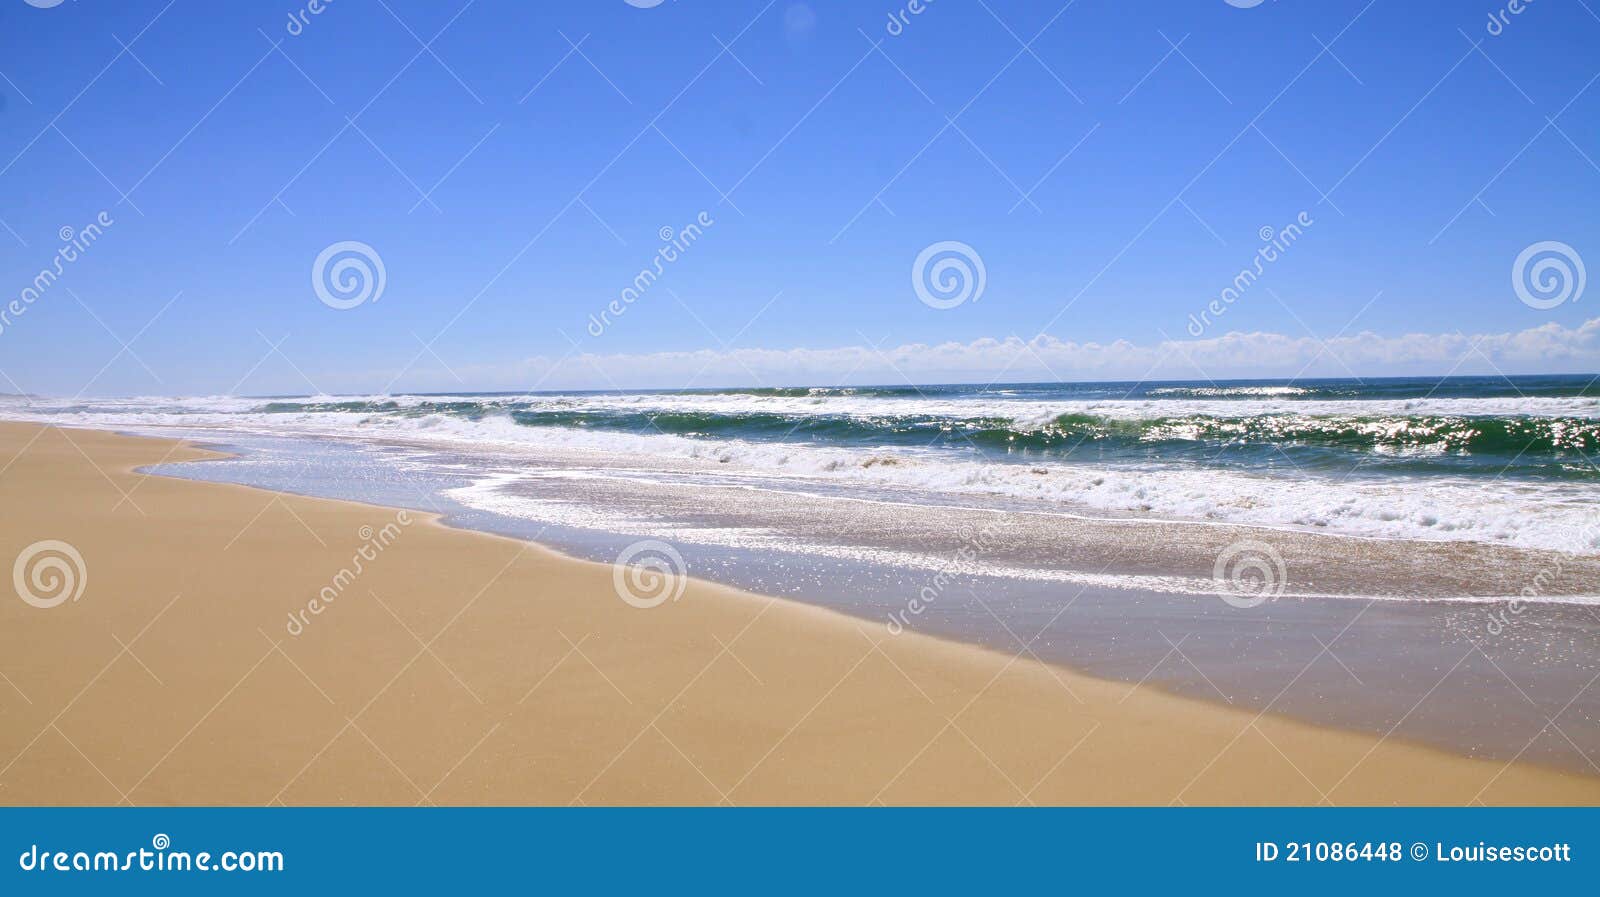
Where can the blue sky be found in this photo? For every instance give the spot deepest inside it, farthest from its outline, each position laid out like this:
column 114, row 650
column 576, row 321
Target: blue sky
column 1111, row 184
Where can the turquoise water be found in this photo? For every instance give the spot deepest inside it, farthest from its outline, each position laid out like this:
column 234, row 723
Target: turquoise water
column 1095, row 518
column 1483, row 459
column 1536, row 427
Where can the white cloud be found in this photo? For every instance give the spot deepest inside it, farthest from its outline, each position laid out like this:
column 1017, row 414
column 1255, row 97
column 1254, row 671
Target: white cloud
column 1548, row 348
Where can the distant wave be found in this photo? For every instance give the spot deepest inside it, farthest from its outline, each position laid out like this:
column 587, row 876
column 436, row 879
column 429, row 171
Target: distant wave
column 1482, row 460
column 1220, row 391
column 1489, row 431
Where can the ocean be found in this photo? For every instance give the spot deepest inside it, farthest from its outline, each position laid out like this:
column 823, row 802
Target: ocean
column 1207, row 537
column 1484, row 459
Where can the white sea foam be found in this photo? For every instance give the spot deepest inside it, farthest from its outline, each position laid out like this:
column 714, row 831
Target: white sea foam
column 1198, row 391
column 1198, row 402
column 1550, row 515
column 495, row 493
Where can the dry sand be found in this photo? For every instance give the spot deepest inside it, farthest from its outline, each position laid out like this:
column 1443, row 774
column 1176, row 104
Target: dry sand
column 462, row 668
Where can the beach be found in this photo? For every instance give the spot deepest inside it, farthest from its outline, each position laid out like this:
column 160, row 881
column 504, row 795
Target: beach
column 460, row 667
column 1413, row 558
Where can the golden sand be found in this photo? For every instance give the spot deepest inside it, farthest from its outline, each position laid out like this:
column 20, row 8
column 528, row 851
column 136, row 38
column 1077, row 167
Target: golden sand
column 462, row 668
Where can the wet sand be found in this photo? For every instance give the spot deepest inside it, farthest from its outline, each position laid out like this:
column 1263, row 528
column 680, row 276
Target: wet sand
column 1485, row 678
column 464, row 668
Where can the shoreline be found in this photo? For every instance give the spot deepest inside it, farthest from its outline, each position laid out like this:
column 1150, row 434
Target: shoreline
column 1316, row 563
column 221, row 446
column 1412, row 475
column 1358, row 663
column 713, row 728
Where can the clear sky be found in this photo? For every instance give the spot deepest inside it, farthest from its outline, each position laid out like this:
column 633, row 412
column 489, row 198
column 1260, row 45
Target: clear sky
column 512, row 165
